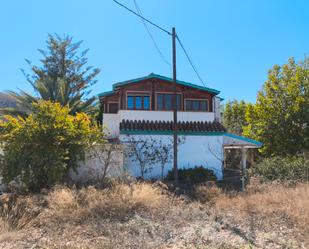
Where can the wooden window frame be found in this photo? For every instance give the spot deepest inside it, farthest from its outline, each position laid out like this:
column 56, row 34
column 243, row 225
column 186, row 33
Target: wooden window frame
column 191, row 99
column 112, row 102
column 171, row 93
column 138, row 94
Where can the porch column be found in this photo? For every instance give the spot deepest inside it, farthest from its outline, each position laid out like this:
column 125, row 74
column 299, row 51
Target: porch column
column 243, row 167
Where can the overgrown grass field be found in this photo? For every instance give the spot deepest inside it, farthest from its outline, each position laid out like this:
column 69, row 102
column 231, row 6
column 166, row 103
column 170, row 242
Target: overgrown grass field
column 147, row 215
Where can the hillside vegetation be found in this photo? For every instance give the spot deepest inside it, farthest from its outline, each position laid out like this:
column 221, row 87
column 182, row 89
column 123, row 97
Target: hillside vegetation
column 150, row 216
column 7, row 101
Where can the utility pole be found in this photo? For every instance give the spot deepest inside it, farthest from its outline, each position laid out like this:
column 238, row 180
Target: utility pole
column 174, row 99
column 175, row 124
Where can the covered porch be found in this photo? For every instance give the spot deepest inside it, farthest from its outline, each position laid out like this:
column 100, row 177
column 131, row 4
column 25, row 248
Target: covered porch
column 231, row 141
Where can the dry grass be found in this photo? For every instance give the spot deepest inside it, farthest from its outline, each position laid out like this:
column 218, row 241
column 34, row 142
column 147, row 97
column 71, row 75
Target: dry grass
column 148, row 216
column 119, row 202
column 207, row 193
column 17, row 212
column 270, row 201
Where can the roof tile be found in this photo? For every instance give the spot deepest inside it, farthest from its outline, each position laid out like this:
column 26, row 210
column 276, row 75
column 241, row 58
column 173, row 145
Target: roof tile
column 142, row 125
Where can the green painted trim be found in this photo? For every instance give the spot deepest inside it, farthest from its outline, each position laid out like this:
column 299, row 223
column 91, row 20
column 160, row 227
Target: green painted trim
column 191, row 133
column 106, row 93
column 244, row 139
column 152, row 75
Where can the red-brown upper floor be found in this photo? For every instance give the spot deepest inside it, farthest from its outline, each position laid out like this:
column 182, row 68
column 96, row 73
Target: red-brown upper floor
column 155, row 93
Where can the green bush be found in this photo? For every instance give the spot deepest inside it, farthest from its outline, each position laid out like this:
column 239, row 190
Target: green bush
column 294, row 168
column 38, row 151
column 193, row 175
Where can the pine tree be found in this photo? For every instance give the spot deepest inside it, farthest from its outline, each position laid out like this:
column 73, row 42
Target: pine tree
column 63, row 77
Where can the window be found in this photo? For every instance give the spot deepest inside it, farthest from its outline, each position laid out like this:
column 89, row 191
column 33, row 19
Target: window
column 138, row 102
column 113, row 107
column 165, row 101
column 196, row 105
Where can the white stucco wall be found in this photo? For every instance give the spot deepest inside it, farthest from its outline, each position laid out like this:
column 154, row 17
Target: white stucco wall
column 166, row 115
column 111, row 124
column 206, row 151
column 111, row 120
column 92, row 168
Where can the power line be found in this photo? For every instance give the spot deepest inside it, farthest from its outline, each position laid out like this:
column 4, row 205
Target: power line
column 190, row 61
column 151, row 36
column 132, row 11
column 167, row 32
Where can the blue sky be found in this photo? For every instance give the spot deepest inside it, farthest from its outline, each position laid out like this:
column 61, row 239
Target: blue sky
column 232, row 43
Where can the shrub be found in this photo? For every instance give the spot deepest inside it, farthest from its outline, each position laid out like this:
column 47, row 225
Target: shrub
column 17, row 211
column 38, row 151
column 193, row 175
column 294, row 168
column 206, row 193
column 62, row 198
column 119, row 202
column 273, row 202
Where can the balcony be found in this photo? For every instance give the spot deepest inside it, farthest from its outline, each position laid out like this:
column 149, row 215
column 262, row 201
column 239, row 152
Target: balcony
column 111, row 120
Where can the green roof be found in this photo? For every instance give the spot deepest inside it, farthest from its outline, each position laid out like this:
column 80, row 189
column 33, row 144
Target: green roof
column 105, row 93
column 190, row 133
column 249, row 140
column 156, row 76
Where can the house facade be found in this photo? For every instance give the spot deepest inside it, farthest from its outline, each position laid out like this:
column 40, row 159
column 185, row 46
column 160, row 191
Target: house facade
column 142, row 109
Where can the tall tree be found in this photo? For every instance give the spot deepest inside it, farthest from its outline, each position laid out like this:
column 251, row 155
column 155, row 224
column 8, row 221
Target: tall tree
column 234, row 116
column 280, row 117
column 63, row 77
column 234, row 119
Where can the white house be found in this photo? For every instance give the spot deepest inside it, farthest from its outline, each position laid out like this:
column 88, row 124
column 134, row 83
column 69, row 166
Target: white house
column 142, row 109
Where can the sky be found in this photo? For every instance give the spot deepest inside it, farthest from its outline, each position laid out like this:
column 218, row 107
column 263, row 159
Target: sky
column 232, row 44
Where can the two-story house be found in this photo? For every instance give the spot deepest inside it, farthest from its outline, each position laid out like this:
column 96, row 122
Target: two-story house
column 142, row 108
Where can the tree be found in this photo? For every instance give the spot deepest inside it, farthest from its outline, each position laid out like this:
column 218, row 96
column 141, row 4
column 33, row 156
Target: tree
column 234, row 116
column 280, row 116
column 142, row 151
column 63, row 77
column 39, row 150
column 107, row 155
column 234, row 119
column 163, row 151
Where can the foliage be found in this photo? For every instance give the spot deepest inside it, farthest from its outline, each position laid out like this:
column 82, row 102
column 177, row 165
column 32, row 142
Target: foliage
column 295, row 168
column 206, row 193
column 234, row 116
column 164, row 155
column 234, row 119
column 39, row 150
column 193, row 175
column 107, row 155
column 164, row 152
column 63, row 77
column 142, row 151
column 280, row 116
column 145, row 215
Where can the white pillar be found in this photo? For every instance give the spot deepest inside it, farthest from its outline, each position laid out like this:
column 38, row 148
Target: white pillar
column 243, row 166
